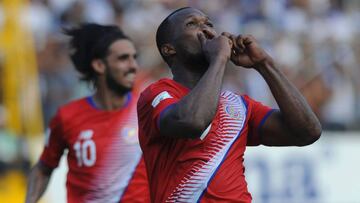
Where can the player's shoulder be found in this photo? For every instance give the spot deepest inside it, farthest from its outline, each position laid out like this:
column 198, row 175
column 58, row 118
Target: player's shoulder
column 157, row 87
column 66, row 111
column 72, row 108
column 160, row 84
column 74, row 104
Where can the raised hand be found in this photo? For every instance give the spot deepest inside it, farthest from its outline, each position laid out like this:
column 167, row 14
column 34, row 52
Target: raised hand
column 219, row 46
column 246, row 52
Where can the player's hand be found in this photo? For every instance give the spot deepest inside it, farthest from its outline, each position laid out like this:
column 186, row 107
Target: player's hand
column 246, row 52
column 219, row 46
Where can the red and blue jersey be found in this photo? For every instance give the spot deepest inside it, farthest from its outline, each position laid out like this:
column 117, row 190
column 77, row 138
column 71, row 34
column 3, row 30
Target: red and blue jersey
column 104, row 158
column 206, row 169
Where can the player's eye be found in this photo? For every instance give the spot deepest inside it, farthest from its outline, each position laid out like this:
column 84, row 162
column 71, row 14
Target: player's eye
column 123, row 57
column 210, row 24
column 190, row 24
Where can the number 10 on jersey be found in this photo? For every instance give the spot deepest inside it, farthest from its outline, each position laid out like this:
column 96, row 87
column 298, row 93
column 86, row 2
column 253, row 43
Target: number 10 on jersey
column 85, row 149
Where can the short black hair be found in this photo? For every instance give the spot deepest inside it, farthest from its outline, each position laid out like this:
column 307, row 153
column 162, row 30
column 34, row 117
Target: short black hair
column 91, row 41
column 164, row 32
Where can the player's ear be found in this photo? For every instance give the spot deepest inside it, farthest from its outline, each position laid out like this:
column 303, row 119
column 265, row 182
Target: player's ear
column 98, row 66
column 167, row 50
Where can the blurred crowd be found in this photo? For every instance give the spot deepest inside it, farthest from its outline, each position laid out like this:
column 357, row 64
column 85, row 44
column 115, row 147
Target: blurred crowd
column 313, row 41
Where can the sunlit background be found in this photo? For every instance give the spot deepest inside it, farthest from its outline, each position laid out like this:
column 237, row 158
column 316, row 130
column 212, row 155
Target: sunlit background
column 315, row 42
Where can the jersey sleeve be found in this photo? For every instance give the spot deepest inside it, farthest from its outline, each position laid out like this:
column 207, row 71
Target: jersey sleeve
column 258, row 113
column 152, row 103
column 54, row 143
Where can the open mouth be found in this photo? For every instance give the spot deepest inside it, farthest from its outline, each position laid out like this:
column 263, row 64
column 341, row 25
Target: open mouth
column 130, row 76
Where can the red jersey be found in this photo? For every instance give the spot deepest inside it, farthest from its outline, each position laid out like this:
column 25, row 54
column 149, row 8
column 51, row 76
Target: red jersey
column 207, row 169
column 104, row 157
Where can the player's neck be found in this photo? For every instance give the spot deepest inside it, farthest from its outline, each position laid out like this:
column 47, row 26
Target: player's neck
column 187, row 77
column 107, row 100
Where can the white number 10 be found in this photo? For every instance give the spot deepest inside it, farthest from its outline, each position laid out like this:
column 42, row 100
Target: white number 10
column 85, row 149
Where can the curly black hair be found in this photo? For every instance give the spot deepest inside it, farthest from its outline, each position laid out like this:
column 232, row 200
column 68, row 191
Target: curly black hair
column 91, row 41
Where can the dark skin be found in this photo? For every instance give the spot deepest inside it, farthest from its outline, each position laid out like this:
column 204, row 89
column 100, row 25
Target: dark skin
column 294, row 124
column 203, row 79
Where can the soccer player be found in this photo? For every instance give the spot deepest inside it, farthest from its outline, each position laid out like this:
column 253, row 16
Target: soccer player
column 99, row 131
column 193, row 136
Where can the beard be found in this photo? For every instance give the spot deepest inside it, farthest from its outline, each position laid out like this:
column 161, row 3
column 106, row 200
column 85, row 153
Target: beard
column 114, row 86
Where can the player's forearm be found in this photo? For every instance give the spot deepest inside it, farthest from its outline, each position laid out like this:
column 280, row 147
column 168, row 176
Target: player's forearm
column 295, row 111
column 37, row 183
column 195, row 111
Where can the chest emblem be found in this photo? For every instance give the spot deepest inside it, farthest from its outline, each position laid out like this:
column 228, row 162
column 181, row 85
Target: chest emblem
column 232, row 111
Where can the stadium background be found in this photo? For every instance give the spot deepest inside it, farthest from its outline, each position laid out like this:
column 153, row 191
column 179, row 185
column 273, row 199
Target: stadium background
column 315, row 42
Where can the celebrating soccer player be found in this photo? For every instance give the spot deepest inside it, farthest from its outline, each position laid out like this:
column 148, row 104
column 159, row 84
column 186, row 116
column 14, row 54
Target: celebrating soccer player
column 193, row 135
column 99, row 131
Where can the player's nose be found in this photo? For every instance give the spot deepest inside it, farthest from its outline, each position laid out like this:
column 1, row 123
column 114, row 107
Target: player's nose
column 209, row 34
column 133, row 64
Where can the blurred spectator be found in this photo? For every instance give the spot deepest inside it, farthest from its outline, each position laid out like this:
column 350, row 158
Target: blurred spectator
column 14, row 163
column 13, row 149
column 57, row 76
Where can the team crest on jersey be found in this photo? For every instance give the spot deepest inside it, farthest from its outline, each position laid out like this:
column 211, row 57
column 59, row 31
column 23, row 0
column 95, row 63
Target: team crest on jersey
column 233, row 112
column 129, row 134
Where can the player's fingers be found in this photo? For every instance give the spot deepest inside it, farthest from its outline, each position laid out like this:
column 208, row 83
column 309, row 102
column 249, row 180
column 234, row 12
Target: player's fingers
column 240, row 42
column 201, row 38
column 248, row 39
column 236, row 49
column 228, row 35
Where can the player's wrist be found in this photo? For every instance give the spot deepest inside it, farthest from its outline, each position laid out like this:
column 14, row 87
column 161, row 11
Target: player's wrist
column 266, row 63
column 219, row 59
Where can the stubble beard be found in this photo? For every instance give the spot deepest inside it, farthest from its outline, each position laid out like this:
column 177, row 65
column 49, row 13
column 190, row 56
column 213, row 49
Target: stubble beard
column 114, row 86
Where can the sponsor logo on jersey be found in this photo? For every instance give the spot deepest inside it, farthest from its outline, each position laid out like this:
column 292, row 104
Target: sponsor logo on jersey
column 129, row 134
